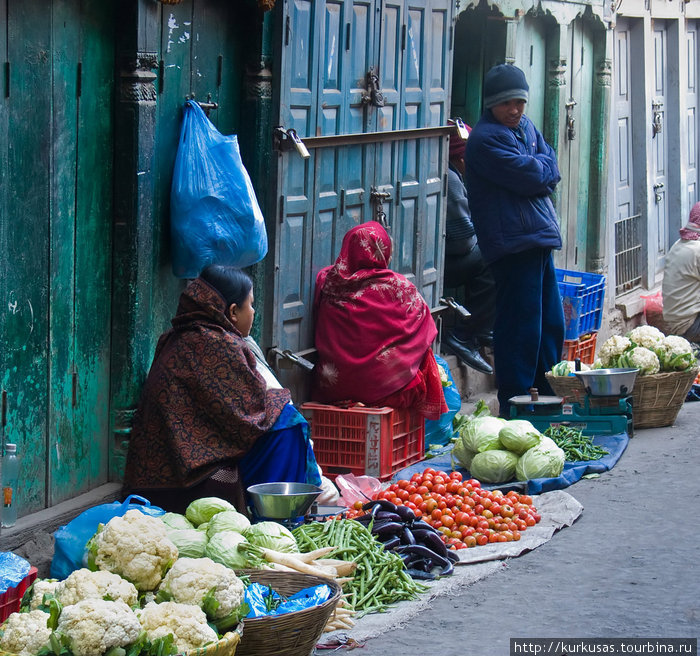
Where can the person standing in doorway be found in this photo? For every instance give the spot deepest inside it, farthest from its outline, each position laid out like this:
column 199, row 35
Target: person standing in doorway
column 510, row 173
column 466, row 271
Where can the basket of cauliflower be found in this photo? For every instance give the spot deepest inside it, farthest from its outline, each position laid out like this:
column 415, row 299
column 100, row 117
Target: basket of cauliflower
column 667, row 365
column 135, row 598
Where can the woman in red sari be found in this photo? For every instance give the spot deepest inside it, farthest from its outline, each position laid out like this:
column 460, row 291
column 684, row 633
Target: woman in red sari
column 373, row 331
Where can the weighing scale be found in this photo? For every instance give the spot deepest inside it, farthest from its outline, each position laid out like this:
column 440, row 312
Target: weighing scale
column 595, row 415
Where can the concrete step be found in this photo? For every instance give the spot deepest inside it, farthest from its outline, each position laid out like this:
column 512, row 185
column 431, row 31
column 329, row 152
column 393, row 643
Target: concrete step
column 472, row 384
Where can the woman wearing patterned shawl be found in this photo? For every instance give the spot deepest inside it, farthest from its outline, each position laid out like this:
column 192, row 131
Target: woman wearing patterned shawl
column 209, row 407
column 373, row 331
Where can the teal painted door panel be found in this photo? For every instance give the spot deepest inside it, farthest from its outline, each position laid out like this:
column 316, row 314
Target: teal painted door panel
column 56, row 239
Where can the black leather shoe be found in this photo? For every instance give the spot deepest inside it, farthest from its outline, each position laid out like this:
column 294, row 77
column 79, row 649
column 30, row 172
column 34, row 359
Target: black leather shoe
column 467, row 353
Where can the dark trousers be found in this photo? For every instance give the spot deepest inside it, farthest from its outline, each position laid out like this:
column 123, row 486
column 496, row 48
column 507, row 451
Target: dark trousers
column 528, row 333
column 476, row 291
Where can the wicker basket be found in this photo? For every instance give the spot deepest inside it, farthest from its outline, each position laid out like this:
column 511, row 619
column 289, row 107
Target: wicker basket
column 656, row 399
column 292, row 634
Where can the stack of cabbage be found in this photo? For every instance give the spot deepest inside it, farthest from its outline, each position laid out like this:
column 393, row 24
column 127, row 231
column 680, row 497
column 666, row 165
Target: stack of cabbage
column 497, row 450
column 645, row 348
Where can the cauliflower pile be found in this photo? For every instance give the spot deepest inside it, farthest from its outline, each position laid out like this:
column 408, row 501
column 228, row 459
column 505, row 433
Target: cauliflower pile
column 645, row 348
column 186, row 623
column 92, row 626
column 25, row 634
column 136, row 547
column 137, row 597
column 212, row 586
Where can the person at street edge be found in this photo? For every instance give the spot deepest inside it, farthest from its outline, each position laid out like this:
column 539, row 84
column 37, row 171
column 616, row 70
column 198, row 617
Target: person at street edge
column 510, row 173
column 681, row 285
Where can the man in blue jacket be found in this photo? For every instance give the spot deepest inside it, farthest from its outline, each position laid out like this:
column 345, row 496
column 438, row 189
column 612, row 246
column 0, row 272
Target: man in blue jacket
column 510, row 173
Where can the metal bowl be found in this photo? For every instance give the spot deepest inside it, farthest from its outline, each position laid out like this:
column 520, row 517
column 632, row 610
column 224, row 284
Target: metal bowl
column 283, row 500
column 608, row 382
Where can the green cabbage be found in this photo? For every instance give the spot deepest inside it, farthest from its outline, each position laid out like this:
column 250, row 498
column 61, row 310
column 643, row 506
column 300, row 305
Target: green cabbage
column 519, row 435
column 461, row 456
column 202, row 510
column 494, row 466
column 190, row 542
column 271, row 535
column 176, row 520
column 481, row 434
column 223, row 548
column 228, row 520
column 546, row 460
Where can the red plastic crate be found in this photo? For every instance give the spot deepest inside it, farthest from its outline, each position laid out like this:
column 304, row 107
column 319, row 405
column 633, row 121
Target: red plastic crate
column 582, row 348
column 361, row 440
column 11, row 598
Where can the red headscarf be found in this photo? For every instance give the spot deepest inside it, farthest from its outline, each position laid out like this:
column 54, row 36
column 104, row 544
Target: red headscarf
column 373, row 328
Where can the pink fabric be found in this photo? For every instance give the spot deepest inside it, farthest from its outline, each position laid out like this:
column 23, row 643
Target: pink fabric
column 692, row 230
column 372, row 326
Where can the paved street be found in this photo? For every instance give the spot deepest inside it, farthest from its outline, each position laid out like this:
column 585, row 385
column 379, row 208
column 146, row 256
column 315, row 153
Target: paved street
column 628, row 567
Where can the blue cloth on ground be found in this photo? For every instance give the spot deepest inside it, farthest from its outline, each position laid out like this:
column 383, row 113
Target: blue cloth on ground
column 573, row 471
column 440, row 431
column 283, row 454
column 13, row 569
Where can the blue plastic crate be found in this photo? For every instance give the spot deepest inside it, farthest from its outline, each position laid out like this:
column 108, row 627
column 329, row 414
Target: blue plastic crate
column 582, row 300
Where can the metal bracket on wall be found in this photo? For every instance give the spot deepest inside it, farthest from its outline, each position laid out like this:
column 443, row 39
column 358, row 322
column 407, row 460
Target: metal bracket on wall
column 287, row 139
column 206, row 106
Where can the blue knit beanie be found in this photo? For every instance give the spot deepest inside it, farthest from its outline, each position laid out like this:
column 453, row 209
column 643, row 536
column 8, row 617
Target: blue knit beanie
column 504, row 82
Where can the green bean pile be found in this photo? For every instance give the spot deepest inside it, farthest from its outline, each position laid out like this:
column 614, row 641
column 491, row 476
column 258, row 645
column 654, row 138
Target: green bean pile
column 380, row 578
column 575, row 444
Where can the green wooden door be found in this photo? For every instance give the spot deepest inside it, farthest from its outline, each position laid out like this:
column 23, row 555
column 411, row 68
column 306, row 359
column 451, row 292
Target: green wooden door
column 55, row 236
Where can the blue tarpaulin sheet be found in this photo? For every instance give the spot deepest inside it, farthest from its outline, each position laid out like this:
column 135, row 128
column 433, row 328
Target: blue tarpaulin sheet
column 13, row 569
column 573, row 471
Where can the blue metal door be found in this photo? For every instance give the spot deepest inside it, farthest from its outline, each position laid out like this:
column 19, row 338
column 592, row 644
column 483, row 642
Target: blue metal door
column 365, row 86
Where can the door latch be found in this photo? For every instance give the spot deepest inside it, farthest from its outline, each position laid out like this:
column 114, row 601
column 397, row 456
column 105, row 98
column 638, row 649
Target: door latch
column 288, row 139
column 377, row 198
column 570, row 121
column 657, row 117
column 292, row 358
column 657, row 189
column 372, row 94
column 450, row 302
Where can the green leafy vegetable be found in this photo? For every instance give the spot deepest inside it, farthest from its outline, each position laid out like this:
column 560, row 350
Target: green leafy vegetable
column 494, row 466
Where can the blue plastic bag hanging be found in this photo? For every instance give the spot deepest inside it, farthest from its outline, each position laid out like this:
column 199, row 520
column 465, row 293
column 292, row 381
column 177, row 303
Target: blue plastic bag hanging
column 214, row 213
column 70, row 540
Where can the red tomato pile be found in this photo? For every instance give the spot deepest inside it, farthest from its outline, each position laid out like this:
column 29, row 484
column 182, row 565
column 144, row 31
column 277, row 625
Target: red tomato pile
column 465, row 514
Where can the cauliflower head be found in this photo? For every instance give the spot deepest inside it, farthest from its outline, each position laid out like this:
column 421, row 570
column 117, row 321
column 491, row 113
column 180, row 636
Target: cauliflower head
column 675, row 354
column 187, row 624
column 135, row 546
column 40, row 587
column 84, row 584
column 92, row 626
column 611, row 350
column 213, row 587
column 25, row 634
column 646, row 336
column 640, row 358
